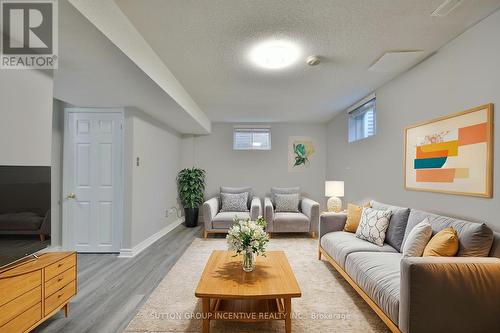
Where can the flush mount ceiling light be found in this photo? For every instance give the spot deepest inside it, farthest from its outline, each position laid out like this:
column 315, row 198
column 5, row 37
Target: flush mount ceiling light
column 275, row 54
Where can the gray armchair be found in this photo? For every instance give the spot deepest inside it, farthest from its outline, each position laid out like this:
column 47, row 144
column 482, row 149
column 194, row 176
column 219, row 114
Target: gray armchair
column 217, row 221
column 305, row 220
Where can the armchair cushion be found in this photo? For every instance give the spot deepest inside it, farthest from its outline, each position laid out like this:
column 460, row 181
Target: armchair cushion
column 290, row 222
column 234, row 202
column 283, row 190
column 225, row 220
column 236, row 190
column 287, row 202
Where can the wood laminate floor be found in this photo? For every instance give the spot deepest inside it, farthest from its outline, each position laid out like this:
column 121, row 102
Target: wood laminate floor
column 111, row 289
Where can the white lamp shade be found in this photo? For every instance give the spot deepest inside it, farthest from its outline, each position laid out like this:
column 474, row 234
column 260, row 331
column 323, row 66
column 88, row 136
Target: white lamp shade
column 334, row 189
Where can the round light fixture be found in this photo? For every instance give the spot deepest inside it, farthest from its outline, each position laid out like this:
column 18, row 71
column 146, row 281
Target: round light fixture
column 275, row 54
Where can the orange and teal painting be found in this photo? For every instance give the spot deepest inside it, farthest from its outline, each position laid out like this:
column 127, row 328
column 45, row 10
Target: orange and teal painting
column 452, row 154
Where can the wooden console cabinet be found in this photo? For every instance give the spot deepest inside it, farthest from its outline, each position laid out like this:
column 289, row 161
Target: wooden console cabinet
column 34, row 290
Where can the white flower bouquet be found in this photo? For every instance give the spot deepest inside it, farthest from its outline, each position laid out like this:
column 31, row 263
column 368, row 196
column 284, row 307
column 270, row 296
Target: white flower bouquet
column 248, row 238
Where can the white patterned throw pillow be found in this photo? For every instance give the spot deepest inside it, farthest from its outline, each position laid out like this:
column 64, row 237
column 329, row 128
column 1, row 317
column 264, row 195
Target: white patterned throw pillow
column 287, row 202
column 234, row 202
column 373, row 225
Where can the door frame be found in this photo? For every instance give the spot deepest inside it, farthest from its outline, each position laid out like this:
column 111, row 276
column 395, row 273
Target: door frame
column 68, row 242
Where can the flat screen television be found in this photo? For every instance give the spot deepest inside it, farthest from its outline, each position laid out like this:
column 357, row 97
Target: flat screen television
column 24, row 211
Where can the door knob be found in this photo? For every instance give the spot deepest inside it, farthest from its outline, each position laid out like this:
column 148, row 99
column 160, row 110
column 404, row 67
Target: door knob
column 72, row 195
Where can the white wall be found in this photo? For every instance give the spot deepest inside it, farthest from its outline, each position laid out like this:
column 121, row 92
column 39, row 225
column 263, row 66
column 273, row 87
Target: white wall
column 462, row 75
column 151, row 187
column 26, row 117
column 259, row 169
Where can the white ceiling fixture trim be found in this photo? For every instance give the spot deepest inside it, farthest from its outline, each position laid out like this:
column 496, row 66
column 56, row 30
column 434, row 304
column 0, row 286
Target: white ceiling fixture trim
column 111, row 21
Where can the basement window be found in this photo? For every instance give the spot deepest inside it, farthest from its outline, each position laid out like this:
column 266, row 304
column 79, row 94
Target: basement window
column 363, row 120
column 251, row 138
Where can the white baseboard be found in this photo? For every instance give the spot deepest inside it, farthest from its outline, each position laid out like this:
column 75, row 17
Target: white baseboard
column 130, row 253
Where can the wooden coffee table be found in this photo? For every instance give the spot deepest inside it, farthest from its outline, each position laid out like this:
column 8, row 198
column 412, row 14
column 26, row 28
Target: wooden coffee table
column 229, row 293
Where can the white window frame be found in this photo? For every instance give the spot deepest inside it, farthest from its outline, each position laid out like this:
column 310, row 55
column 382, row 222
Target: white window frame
column 351, row 113
column 252, row 129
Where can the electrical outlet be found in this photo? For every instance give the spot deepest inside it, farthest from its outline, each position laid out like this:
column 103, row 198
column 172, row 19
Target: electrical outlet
column 170, row 211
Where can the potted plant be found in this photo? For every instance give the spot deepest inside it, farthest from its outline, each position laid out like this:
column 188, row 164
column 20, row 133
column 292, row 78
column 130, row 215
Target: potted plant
column 191, row 185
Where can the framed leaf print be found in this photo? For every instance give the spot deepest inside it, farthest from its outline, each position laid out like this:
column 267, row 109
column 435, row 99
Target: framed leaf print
column 300, row 151
column 452, row 154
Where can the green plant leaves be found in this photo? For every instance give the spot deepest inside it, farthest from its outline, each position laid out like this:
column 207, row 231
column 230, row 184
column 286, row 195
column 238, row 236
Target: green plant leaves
column 191, row 186
column 300, row 154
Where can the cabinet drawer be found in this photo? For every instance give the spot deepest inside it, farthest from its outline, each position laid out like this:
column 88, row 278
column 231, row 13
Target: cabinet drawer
column 15, row 286
column 59, row 281
column 24, row 321
column 60, row 297
column 59, row 267
column 19, row 305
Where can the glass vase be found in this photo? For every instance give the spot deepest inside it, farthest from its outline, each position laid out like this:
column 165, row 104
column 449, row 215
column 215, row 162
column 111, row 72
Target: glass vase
column 248, row 261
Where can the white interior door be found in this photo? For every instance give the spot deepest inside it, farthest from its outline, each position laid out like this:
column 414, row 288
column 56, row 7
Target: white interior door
column 92, row 181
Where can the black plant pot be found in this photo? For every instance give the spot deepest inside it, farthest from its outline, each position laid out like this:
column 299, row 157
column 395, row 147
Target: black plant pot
column 191, row 215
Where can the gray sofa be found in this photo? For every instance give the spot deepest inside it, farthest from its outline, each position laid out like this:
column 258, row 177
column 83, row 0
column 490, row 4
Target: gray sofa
column 305, row 220
column 216, row 221
column 420, row 294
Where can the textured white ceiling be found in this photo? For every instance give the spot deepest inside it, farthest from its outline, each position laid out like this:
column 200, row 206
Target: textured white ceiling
column 93, row 72
column 205, row 43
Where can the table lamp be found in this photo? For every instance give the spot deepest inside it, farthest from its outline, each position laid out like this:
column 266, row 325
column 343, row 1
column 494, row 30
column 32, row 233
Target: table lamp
column 334, row 190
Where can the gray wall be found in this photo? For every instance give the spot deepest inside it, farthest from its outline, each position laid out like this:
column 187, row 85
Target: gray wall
column 56, row 171
column 463, row 74
column 150, row 188
column 259, row 169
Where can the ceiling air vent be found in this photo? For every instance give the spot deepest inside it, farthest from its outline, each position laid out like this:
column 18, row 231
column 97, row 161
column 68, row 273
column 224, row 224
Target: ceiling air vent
column 446, row 7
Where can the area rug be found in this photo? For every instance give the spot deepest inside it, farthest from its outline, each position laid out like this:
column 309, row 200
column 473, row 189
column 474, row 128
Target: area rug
column 328, row 302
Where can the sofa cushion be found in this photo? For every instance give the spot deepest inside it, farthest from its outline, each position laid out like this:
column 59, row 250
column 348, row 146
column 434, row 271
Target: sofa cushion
column 287, row 202
column 443, row 244
column 417, row 239
column 339, row 244
column 234, row 202
column 353, row 217
column 397, row 224
column 290, row 222
column 236, row 190
column 20, row 221
column 378, row 275
column 373, row 225
column 475, row 239
column 225, row 220
column 283, row 190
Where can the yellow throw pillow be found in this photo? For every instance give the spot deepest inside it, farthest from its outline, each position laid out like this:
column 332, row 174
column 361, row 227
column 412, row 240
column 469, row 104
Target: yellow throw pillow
column 443, row 244
column 353, row 217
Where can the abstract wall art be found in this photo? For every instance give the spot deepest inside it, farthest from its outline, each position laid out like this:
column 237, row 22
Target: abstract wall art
column 452, row 154
column 300, row 151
